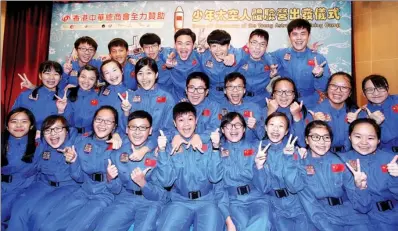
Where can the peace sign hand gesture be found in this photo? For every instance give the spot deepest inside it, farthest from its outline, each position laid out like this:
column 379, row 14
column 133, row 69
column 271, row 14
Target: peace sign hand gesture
column 126, row 105
column 318, row 69
column 360, row 178
column 61, row 103
column 25, row 82
column 261, row 156
column 289, row 148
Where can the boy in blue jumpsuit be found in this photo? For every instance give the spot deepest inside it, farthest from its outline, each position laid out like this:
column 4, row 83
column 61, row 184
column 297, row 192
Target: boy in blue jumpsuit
column 139, row 199
column 235, row 89
column 118, row 50
column 308, row 69
column 86, row 47
column 193, row 175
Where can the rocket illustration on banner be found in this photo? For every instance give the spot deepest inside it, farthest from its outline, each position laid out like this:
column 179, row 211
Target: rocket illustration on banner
column 178, row 19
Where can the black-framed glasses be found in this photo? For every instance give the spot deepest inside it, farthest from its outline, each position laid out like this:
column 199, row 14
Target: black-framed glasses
column 316, row 137
column 140, row 128
column 234, row 88
column 287, row 92
column 261, row 45
column 192, row 89
column 371, row 90
column 344, row 89
column 154, row 46
column 107, row 122
column 57, row 130
column 83, row 49
column 236, row 126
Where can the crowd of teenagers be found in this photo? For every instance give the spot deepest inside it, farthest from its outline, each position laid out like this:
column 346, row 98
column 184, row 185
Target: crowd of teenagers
column 210, row 139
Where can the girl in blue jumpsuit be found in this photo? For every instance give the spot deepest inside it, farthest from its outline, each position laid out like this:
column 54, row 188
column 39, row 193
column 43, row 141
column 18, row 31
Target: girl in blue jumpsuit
column 336, row 109
column 375, row 89
column 136, row 202
column 53, row 180
column 247, row 206
column 193, row 176
column 277, row 178
column 41, row 101
column 365, row 136
column 285, row 99
column 330, row 197
column 17, row 155
column 89, row 164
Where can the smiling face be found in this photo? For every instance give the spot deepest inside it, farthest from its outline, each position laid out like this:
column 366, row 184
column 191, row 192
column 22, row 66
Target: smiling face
column 19, row 124
column 276, row 128
column 55, row 135
column 257, row 46
column 364, row 139
column 299, row 39
column 136, row 136
column 112, row 73
column 104, row 124
column 87, row 80
column 119, row 53
column 151, row 50
column 197, row 96
column 185, row 124
column 234, row 130
column 50, row 79
column 339, row 89
column 284, row 93
column 316, row 140
column 146, row 78
column 184, row 46
column 219, row 51
column 85, row 52
column 235, row 90
column 376, row 96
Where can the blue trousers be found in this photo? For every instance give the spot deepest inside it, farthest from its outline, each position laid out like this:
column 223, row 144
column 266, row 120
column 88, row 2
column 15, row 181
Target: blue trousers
column 253, row 215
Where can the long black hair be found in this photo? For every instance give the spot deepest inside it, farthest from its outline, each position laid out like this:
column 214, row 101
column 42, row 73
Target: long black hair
column 73, row 92
column 350, row 102
column 30, row 146
column 48, row 66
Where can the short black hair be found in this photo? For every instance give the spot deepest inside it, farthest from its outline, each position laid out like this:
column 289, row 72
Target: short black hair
column 377, row 80
column 146, row 61
column 73, row 92
column 227, row 118
column 50, row 65
column 372, row 122
column 219, row 37
column 278, row 114
column 232, row 76
column 140, row 114
column 149, row 38
column 183, row 108
column 260, row 33
column 118, row 42
column 86, row 39
column 318, row 124
column 298, row 23
column 198, row 75
column 51, row 120
column 185, row 31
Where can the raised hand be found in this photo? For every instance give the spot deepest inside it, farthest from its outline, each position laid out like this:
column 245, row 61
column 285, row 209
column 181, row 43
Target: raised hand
column 302, row 152
column 196, row 143
column 202, row 43
column 351, row 116
column 162, row 141
column 289, row 148
column 138, row 176
column 25, row 82
column 314, row 46
column 274, row 70
column 70, row 154
column 295, row 110
column 116, row 141
column 68, row 65
column 378, row 116
column 139, row 154
column 261, row 156
column 272, row 105
column 360, row 178
column 171, row 60
column 61, row 103
column 318, row 69
column 392, row 167
column 105, row 57
column 251, row 121
column 111, row 171
column 176, row 143
column 126, row 105
column 215, row 138
column 228, row 60
column 319, row 116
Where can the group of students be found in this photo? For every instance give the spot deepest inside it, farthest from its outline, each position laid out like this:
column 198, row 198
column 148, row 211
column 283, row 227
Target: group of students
column 216, row 138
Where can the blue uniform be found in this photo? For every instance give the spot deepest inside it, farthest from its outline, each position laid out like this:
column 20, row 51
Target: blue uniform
column 246, row 108
column 298, row 66
column 133, row 204
column 382, row 186
column 43, row 107
column 193, row 201
column 247, row 206
column 129, row 79
column 389, row 128
column 71, row 78
column 278, row 179
column 53, row 183
column 339, row 124
column 329, row 195
column 16, row 176
column 79, row 210
column 217, row 72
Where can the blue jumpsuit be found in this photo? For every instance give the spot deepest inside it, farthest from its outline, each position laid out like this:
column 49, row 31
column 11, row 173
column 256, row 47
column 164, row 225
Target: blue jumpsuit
column 329, row 195
column 382, row 186
column 71, row 78
column 298, row 66
column 389, row 128
column 129, row 79
column 247, row 206
column 338, row 123
column 53, row 183
column 245, row 108
column 133, row 204
column 43, row 107
column 217, row 72
column 193, row 199
column 80, row 209
column 16, row 176
column 278, row 179
column 257, row 77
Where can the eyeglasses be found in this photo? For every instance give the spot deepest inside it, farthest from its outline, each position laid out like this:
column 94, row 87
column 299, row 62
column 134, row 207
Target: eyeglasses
column 57, row 130
column 316, row 137
column 107, row 122
column 234, row 88
column 134, row 128
column 236, row 126
column 255, row 44
column 192, row 89
column 371, row 90
column 151, row 46
column 287, row 92
column 334, row 87
column 90, row 50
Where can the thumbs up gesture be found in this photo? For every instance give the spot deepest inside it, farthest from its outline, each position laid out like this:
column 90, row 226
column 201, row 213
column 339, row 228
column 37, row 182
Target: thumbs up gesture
column 360, row 178
column 392, row 167
column 251, row 121
column 171, row 60
column 61, row 103
column 351, row 116
column 138, row 176
column 272, row 105
column 261, row 156
column 318, row 69
column 378, row 116
column 318, row 115
column 289, row 148
column 162, row 141
column 215, row 138
column 111, row 171
column 295, row 109
column 70, row 154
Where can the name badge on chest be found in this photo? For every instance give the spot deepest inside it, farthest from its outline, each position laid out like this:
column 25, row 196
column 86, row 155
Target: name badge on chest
column 46, row 155
column 106, row 92
column 310, row 169
column 88, row 148
column 124, row 157
column 287, row 57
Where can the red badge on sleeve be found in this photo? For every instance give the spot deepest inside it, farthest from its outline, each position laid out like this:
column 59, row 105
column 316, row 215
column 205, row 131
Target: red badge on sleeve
column 395, row 108
column 161, row 99
column 310, row 169
column 206, row 112
column 248, row 152
column 109, row 147
column 246, row 113
column 132, row 74
column 267, row 68
column 311, row 62
column 94, row 102
column 295, row 156
column 150, row 162
column 194, row 62
column 204, row 147
column 123, row 95
column 338, row 167
column 384, row 168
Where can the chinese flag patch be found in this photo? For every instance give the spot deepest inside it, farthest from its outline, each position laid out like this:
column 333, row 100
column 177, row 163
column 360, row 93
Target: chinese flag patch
column 194, row 62
column 384, row 168
column 395, row 108
column 132, row 74
column 204, row 147
column 150, row 162
column 338, row 167
column 247, row 113
column 219, row 116
column 311, row 62
column 267, row 68
column 248, row 152
column 123, row 95
column 161, row 99
column 206, row 112
column 94, row 102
